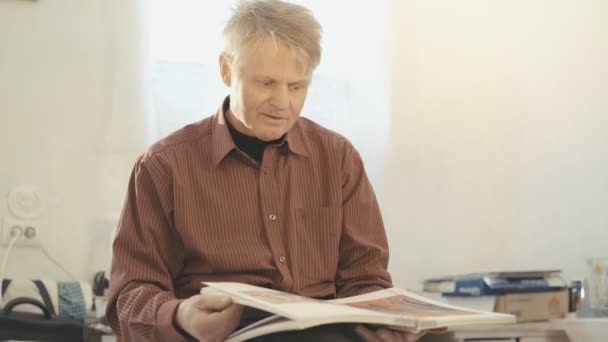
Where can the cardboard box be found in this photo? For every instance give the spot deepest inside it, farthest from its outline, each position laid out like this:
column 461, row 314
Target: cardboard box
column 534, row 306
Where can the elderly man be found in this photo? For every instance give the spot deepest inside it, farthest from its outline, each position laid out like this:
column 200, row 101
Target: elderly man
column 253, row 194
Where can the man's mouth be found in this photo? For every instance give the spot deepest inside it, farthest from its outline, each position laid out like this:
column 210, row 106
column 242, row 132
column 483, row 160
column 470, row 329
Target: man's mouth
column 275, row 117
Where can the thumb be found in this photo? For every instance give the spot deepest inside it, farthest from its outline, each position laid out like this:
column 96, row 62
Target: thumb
column 213, row 302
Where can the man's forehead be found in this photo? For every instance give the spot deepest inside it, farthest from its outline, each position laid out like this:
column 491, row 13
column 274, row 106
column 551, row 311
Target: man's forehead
column 272, row 59
column 274, row 72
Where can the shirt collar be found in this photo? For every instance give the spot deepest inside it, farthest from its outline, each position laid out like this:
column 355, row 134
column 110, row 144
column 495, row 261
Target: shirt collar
column 223, row 144
column 295, row 140
column 221, row 141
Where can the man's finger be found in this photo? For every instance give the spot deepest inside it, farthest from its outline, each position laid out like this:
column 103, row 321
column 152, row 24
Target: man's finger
column 223, row 322
column 232, row 314
column 437, row 331
column 398, row 335
column 416, row 337
column 212, row 302
column 366, row 334
column 387, row 335
column 208, row 290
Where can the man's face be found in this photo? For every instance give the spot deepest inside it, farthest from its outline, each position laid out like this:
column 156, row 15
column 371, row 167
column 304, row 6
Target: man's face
column 268, row 87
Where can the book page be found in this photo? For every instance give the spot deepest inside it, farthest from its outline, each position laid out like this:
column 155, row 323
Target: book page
column 277, row 297
column 286, row 304
column 425, row 311
column 402, row 303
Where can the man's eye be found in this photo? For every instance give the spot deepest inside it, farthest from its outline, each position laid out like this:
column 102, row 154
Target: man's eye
column 267, row 83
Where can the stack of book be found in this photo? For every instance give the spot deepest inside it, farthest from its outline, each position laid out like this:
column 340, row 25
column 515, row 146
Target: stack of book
column 529, row 295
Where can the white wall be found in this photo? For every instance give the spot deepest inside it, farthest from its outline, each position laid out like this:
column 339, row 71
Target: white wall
column 499, row 136
column 69, row 124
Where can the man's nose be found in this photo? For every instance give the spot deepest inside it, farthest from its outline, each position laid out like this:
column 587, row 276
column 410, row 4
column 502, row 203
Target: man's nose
column 280, row 97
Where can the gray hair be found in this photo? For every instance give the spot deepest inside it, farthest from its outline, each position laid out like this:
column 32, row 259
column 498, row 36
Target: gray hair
column 291, row 24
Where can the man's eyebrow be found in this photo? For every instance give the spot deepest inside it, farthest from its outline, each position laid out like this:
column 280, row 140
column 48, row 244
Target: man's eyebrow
column 263, row 77
column 268, row 78
column 299, row 82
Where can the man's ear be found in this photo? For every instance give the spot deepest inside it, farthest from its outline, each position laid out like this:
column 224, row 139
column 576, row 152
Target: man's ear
column 225, row 70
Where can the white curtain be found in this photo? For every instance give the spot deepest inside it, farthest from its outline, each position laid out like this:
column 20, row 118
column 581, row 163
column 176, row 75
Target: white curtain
column 128, row 127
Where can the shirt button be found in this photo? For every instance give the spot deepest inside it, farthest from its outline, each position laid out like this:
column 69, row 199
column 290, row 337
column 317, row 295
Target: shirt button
column 282, row 259
column 272, row 217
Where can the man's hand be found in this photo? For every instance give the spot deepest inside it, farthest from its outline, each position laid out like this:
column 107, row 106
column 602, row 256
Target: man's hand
column 208, row 317
column 386, row 335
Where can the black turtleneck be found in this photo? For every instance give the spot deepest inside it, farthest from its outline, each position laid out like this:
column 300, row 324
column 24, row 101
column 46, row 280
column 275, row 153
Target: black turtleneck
column 252, row 146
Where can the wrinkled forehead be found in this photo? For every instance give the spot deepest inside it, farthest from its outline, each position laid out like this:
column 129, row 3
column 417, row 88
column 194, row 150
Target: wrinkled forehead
column 270, row 55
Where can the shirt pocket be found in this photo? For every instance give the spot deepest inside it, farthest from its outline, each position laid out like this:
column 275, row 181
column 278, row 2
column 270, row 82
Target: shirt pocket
column 316, row 242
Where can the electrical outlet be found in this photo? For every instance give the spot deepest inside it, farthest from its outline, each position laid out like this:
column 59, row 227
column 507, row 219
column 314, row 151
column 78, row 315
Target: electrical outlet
column 30, row 236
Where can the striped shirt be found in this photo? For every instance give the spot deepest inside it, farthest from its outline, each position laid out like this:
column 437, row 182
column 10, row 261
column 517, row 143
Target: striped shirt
column 304, row 220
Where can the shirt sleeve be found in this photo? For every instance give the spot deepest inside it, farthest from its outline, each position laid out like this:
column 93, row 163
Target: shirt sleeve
column 147, row 256
column 363, row 259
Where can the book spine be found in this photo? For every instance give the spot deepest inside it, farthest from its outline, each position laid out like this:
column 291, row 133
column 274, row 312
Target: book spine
column 470, row 287
column 479, row 287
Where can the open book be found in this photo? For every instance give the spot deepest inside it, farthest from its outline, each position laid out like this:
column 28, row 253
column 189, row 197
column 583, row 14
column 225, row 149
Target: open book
column 393, row 308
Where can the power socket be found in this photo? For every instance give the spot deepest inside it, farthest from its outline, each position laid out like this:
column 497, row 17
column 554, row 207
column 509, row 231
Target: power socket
column 30, row 236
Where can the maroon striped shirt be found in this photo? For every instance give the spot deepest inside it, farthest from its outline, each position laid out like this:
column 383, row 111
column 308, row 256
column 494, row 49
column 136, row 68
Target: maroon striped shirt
column 304, row 220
